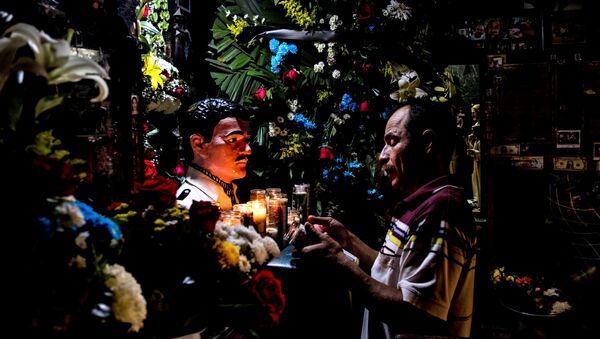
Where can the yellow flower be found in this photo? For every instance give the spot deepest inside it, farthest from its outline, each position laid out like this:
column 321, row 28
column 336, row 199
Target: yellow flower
column 227, row 253
column 237, row 27
column 152, row 71
column 297, row 13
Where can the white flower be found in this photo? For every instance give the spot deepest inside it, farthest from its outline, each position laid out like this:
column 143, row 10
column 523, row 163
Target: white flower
column 290, row 116
column 283, row 132
column 331, row 56
column 58, row 64
column 276, row 131
column 129, row 305
column 70, row 214
column 336, row 74
column 78, row 261
column 227, row 13
column 292, row 105
column 81, row 238
column 280, row 119
column 397, row 10
column 319, row 67
column 259, row 251
column 334, row 22
column 346, row 116
column 408, row 84
column 560, row 307
column 320, row 47
column 244, row 264
column 271, row 246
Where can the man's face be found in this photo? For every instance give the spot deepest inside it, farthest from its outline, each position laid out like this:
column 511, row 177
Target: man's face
column 395, row 156
column 226, row 155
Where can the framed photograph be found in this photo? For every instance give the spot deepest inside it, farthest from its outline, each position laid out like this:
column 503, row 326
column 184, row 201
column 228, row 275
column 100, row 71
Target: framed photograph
column 568, row 138
column 596, row 153
column 568, row 28
column 496, row 61
column 185, row 5
column 570, row 164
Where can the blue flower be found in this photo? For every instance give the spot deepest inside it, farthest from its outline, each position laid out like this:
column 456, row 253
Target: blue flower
column 274, row 45
column 94, row 219
column 354, row 164
column 293, row 49
column 348, row 174
column 325, row 174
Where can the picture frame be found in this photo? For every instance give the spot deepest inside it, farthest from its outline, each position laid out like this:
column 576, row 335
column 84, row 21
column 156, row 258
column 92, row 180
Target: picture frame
column 568, row 138
column 496, row 61
column 596, row 151
column 567, row 28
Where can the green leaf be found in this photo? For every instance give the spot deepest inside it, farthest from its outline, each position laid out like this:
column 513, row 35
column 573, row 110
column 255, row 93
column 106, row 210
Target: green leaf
column 47, row 103
column 241, row 61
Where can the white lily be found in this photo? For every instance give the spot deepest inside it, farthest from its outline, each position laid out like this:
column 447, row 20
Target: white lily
column 408, row 84
column 53, row 55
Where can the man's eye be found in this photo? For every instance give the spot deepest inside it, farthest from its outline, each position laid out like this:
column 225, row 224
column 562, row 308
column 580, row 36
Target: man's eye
column 231, row 140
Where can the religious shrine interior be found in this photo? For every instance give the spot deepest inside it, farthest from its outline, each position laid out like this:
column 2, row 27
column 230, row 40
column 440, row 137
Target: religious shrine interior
column 113, row 233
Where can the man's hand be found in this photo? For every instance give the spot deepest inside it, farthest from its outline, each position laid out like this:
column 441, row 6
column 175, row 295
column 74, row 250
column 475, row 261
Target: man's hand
column 331, row 227
column 326, row 247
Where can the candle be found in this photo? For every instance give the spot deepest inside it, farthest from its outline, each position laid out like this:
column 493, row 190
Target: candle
column 259, row 215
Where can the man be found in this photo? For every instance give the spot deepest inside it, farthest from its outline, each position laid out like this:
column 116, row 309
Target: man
column 422, row 279
column 216, row 139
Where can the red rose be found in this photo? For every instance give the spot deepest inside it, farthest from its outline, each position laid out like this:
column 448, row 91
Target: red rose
column 364, row 106
column 156, row 190
column 53, row 177
column 204, row 214
column 364, row 12
column 290, row 76
column 325, row 153
column 149, row 169
column 145, row 15
column 260, row 93
column 267, row 289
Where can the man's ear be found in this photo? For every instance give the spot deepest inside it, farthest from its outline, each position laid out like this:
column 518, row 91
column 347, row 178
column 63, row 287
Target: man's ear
column 196, row 141
column 429, row 141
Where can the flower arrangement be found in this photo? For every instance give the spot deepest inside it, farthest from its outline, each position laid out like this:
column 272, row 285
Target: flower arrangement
column 71, row 262
column 529, row 295
column 322, row 79
column 221, row 268
column 164, row 88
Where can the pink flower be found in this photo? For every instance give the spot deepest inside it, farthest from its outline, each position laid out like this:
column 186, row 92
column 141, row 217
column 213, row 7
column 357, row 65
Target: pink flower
column 260, row 93
column 364, row 106
column 179, row 170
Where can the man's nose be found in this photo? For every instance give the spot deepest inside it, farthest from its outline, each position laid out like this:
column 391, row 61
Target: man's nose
column 246, row 149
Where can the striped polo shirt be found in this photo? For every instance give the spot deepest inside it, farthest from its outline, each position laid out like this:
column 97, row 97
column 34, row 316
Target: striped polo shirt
column 429, row 254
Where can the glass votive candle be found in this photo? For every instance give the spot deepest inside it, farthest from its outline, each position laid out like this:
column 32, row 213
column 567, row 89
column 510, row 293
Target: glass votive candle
column 259, row 215
column 246, row 212
column 230, row 217
column 258, row 194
